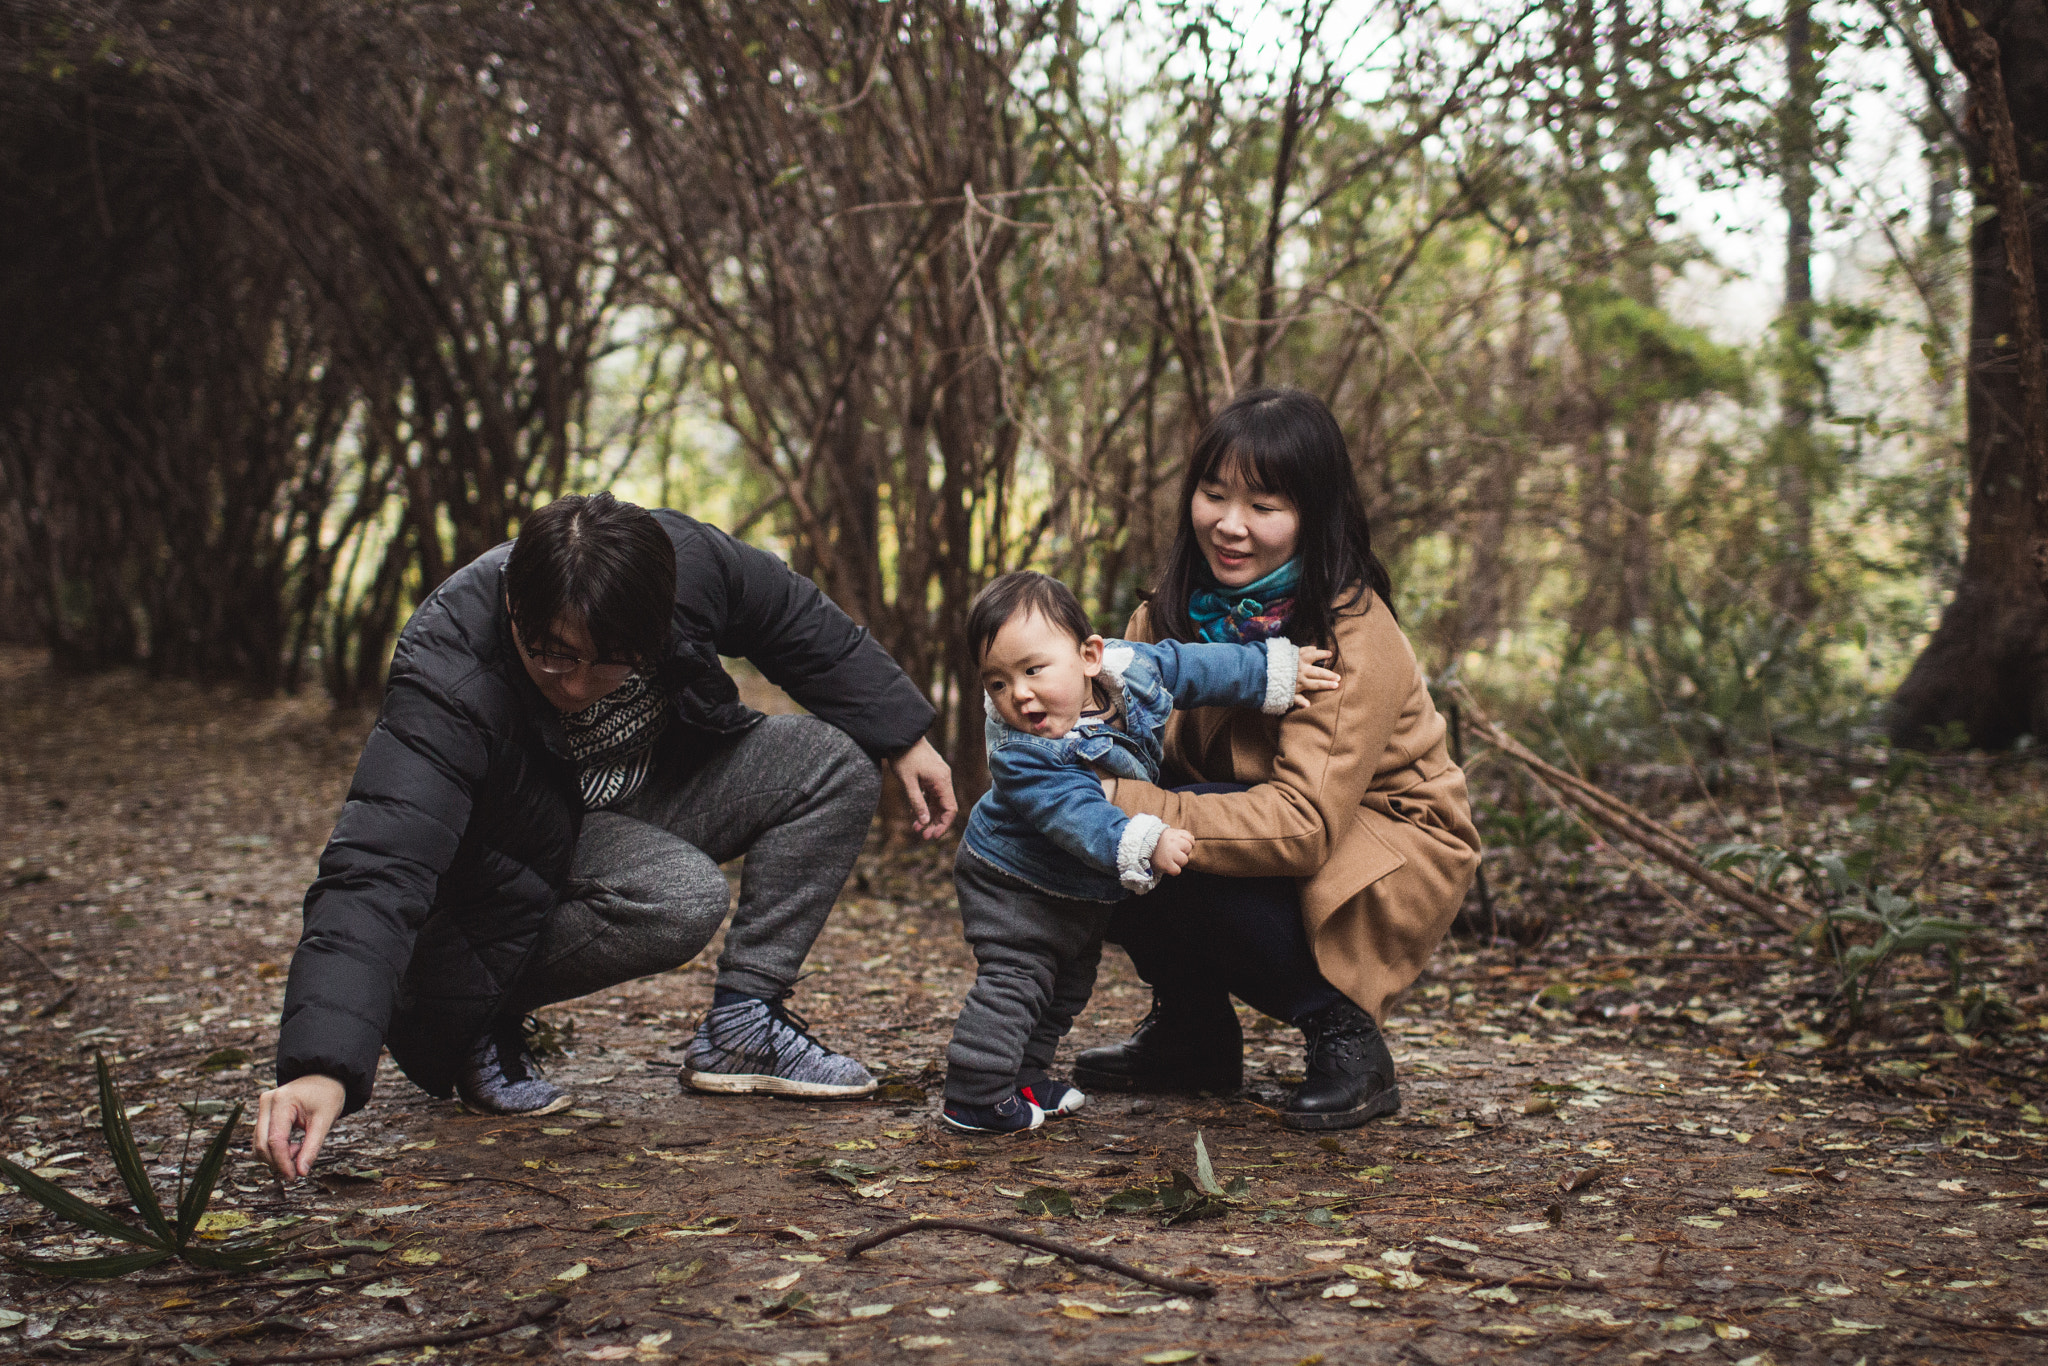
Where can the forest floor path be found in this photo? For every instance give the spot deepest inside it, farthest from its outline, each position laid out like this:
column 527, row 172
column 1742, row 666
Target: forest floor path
column 1621, row 1144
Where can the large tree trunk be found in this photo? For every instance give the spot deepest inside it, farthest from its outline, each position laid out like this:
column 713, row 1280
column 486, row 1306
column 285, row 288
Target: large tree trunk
column 1986, row 668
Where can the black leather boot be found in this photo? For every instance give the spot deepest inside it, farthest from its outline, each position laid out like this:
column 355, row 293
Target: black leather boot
column 1180, row 1045
column 1350, row 1074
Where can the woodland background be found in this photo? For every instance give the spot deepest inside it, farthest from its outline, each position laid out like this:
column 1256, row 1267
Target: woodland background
column 1681, row 366
column 1690, row 356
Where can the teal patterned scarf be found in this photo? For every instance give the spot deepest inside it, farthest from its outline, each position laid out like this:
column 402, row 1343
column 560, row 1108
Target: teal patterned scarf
column 1257, row 611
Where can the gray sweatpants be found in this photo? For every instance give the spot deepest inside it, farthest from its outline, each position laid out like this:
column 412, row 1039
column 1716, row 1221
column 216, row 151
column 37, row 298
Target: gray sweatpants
column 1037, row 954
column 794, row 794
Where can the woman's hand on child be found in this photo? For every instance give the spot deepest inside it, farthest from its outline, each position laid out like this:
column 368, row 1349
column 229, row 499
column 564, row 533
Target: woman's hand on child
column 1170, row 855
column 1311, row 677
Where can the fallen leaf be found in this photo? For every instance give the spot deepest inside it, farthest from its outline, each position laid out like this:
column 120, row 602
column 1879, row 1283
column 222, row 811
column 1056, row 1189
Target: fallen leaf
column 1205, row 1173
column 922, row 1344
column 1169, row 1357
column 870, row 1311
column 419, row 1256
column 985, row 1288
column 782, row 1282
column 574, row 1273
column 1045, row 1200
column 1498, row 1293
column 217, row 1224
column 671, row 1275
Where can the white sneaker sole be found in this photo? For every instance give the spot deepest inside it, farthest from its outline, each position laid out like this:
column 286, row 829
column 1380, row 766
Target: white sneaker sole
column 559, row 1103
column 749, row 1083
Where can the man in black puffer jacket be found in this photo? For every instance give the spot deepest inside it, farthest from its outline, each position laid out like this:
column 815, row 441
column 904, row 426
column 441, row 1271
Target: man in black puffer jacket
column 560, row 765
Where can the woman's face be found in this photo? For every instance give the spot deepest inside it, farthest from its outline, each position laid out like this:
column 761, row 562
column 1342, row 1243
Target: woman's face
column 1245, row 533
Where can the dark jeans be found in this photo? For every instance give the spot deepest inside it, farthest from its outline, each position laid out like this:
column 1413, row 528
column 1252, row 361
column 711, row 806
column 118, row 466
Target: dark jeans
column 1037, row 955
column 1201, row 935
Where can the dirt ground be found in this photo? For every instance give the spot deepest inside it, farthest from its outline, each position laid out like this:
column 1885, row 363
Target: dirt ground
column 1642, row 1137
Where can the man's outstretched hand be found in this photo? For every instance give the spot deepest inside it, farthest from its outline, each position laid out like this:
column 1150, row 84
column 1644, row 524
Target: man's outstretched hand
column 929, row 785
column 309, row 1104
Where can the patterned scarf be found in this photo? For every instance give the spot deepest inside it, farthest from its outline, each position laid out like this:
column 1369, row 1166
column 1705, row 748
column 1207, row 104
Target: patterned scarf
column 1241, row 616
column 612, row 741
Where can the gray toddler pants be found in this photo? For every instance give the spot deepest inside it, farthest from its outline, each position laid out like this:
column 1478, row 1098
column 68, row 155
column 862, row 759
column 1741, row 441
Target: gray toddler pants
column 794, row 794
column 1037, row 954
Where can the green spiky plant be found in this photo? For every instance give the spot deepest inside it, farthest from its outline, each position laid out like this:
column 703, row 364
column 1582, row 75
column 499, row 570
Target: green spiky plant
column 165, row 1237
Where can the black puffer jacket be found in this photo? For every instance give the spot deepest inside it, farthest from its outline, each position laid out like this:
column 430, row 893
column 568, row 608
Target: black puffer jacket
column 463, row 815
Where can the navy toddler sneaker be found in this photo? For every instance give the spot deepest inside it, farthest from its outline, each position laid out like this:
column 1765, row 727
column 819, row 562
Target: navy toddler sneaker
column 1049, row 1093
column 1010, row 1115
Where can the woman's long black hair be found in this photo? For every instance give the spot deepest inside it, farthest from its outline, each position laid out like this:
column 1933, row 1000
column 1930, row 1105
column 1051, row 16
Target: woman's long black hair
column 1287, row 442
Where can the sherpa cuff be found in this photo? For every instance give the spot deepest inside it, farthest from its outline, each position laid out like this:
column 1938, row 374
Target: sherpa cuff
column 1134, row 853
column 1283, row 671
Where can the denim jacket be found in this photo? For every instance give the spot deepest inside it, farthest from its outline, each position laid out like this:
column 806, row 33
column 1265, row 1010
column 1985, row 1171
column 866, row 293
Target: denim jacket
column 1044, row 818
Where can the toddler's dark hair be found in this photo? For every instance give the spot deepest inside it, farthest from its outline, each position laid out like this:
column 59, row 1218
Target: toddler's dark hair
column 1027, row 590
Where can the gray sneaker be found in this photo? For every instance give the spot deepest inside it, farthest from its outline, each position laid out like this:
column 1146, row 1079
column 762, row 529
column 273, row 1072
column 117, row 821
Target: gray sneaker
column 755, row 1045
column 501, row 1078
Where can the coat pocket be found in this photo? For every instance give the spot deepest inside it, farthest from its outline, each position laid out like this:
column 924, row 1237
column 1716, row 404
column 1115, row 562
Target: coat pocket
column 1361, row 858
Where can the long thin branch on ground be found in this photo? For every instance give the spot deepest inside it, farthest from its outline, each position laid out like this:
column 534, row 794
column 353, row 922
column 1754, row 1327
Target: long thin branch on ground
column 1172, row 1284
column 59, row 978
column 533, row 1313
column 1617, row 817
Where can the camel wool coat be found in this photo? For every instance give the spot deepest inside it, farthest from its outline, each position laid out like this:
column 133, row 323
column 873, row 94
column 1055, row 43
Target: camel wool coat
column 1355, row 795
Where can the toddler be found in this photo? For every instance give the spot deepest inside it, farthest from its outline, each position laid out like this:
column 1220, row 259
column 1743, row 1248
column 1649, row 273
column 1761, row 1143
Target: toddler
column 1046, row 855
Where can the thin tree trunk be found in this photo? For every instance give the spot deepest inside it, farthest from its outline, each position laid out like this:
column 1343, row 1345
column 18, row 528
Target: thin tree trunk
column 1799, row 379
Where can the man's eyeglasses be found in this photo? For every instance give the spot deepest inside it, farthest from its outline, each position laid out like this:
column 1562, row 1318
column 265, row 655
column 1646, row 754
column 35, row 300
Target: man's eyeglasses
column 608, row 672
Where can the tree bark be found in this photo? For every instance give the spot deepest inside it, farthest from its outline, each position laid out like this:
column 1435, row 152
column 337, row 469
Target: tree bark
column 1799, row 378
column 1982, row 675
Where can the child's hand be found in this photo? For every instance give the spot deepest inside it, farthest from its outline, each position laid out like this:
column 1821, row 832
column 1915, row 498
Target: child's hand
column 1311, row 677
column 1170, row 855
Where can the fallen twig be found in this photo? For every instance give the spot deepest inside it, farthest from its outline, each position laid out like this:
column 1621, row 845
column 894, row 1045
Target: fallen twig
column 1966, row 1325
column 44, row 1012
column 1172, row 1284
column 533, row 1313
column 59, row 978
column 1660, row 841
column 500, row 1181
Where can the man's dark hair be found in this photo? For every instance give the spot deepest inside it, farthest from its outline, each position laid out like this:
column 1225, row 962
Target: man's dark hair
column 606, row 562
column 1027, row 590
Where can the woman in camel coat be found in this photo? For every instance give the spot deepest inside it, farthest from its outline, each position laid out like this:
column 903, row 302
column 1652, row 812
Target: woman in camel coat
column 1334, row 845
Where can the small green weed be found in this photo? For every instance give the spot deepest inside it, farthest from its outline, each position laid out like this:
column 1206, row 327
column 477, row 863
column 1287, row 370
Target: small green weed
column 165, row 1237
